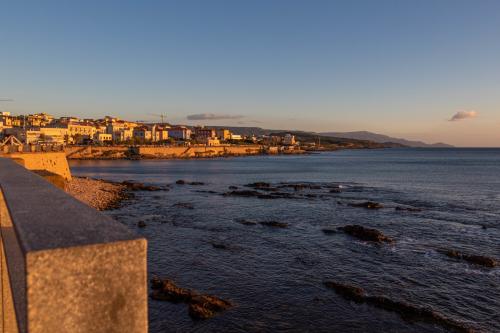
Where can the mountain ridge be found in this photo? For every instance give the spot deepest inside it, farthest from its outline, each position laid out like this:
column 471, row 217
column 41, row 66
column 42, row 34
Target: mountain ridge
column 382, row 138
column 356, row 135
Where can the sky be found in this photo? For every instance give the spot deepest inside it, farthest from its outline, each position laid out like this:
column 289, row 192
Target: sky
column 427, row 70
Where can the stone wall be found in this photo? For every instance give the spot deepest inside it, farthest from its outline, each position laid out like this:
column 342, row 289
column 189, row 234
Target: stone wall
column 195, row 151
column 65, row 267
column 96, row 152
column 54, row 162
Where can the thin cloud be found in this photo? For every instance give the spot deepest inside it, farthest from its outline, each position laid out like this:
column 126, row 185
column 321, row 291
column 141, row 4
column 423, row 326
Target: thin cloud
column 463, row 115
column 212, row 116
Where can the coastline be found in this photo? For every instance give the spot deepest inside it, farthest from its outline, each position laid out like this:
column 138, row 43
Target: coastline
column 103, row 194
column 99, row 194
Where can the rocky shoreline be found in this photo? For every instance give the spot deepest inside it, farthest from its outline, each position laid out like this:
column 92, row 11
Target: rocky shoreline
column 99, row 194
column 104, row 195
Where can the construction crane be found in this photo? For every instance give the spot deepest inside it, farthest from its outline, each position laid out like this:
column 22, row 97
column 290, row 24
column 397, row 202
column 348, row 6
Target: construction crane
column 161, row 116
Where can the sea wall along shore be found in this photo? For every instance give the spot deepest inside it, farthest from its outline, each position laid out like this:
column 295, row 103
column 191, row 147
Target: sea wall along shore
column 132, row 152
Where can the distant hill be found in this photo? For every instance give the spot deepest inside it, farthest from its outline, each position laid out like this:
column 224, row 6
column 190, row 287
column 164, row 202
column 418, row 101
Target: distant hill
column 361, row 135
column 332, row 141
column 380, row 138
column 311, row 137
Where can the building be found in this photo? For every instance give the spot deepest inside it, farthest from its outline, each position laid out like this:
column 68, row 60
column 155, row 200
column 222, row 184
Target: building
column 25, row 136
column 160, row 133
column 202, row 133
column 289, row 140
column 236, row 137
column 54, row 135
column 38, row 120
column 142, row 134
column 103, row 138
column 5, row 119
column 212, row 142
column 223, row 134
column 80, row 132
column 180, row 133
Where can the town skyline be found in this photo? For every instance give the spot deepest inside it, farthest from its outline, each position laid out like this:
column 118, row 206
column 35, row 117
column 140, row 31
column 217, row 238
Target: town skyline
column 251, row 64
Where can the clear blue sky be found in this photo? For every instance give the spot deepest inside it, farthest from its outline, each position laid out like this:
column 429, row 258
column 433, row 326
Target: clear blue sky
column 397, row 67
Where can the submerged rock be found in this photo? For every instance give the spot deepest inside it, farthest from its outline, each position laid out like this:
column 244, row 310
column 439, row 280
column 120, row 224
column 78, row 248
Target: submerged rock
column 232, row 187
column 246, row 222
column 166, row 290
column 349, row 292
column 220, row 246
column 405, row 310
column 408, row 209
column 259, row 185
column 243, row 193
column 274, row 224
column 260, row 195
column 300, row 186
column 328, row 231
column 180, row 182
column 474, row 259
column 206, row 306
column 368, row 205
column 141, row 187
column 199, row 306
column 186, row 205
column 141, row 224
column 366, row 234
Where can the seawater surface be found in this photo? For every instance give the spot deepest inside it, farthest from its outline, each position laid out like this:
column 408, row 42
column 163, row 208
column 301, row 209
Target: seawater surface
column 274, row 276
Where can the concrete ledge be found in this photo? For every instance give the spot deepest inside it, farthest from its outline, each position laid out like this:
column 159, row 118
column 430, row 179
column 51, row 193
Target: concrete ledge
column 68, row 267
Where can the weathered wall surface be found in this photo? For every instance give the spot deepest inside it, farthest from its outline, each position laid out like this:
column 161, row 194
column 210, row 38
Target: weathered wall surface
column 54, row 162
column 196, row 151
column 93, row 152
column 67, row 267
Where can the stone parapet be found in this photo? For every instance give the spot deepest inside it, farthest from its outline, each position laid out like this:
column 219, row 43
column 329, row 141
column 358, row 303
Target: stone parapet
column 65, row 267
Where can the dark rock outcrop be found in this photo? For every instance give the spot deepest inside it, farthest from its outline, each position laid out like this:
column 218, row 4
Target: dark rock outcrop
column 180, row 182
column 405, row 310
column 256, row 194
column 274, row 224
column 220, row 246
column 259, row 185
column 368, row 205
column 328, row 231
column 349, row 292
column 246, row 222
column 473, row 259
column 299, row 187
column 186, row 205
column 408, row 209
column 232, row 187
column 365, row 234
column 141, row 187
column 141, row 224
column 243, row 193
column 200, row 306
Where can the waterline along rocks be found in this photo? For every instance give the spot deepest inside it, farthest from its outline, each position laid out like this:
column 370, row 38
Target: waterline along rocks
column 405, row 310
column 200, row 306
column 473, row 259
column 365, row 234
column 100, row 194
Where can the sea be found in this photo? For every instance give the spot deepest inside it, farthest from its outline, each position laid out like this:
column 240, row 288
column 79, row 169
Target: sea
column 447, row 199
